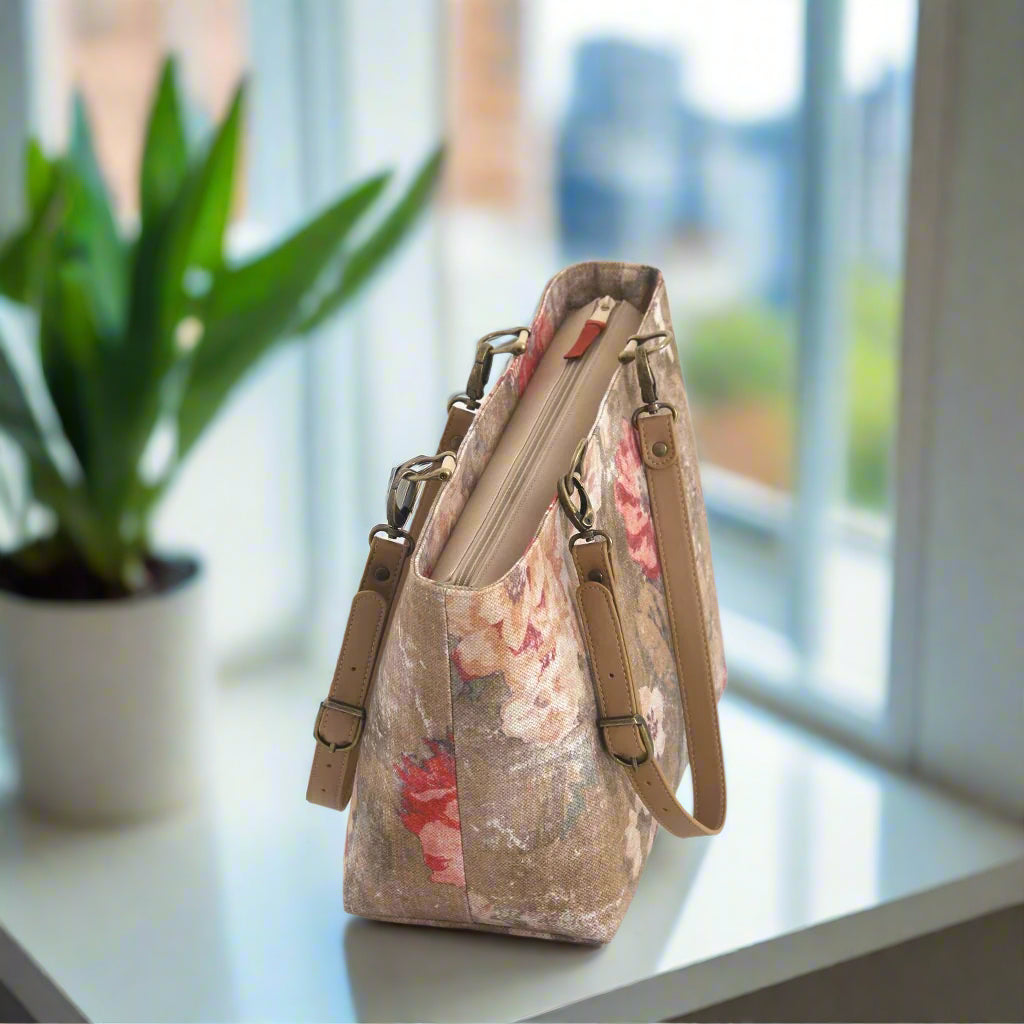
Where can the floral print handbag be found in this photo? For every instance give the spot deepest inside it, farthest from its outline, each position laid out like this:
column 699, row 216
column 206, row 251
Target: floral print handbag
column 534, row 652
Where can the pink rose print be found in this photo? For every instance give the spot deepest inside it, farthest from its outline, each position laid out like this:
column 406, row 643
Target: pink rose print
column 519, row 629
column 540, row 337
column 430, row 809
column 631, row 501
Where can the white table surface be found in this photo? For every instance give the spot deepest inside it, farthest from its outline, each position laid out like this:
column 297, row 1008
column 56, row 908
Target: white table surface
column 233, row 910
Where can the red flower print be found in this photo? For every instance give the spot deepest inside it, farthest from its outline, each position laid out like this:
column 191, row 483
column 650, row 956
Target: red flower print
column 430, row 809
column 631, row 501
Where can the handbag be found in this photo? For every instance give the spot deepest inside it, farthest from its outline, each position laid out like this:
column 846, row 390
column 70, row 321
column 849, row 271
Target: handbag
column 534, row 652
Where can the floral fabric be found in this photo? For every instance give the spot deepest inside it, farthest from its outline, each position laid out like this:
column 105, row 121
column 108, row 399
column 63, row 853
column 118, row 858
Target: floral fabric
column 484, row 797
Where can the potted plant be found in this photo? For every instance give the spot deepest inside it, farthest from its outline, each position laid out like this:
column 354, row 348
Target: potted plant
column 113, row 349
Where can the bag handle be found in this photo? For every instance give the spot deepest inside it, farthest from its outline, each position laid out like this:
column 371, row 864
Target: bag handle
column 338, row 728
column 623, row 728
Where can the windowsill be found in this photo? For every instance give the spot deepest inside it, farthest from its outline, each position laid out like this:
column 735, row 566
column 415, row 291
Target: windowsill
column 234, row 910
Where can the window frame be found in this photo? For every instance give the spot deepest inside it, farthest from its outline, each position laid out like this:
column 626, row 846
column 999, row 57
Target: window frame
column 790, row 682
column 309, row 91
column 955, row 712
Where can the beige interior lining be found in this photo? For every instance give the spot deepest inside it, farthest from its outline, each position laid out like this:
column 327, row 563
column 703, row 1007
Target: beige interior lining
column 558, row 407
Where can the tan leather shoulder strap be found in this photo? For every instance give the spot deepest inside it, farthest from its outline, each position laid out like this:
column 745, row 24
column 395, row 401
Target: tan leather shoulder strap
column 625, row 732
column 339, row 722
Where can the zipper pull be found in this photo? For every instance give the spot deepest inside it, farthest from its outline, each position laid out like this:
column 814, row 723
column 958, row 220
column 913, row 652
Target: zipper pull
column 593, row 327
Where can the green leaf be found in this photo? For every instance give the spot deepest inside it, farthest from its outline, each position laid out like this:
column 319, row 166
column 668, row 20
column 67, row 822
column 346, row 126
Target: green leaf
column 251, row 307
column 189, row 235
column 69, row 344
column 165, row 155
column 367, row 258
column 91, row 231
column 99, row 549
column 24, row 256
column 39, row 176
column 195, row 234
column 17, row 418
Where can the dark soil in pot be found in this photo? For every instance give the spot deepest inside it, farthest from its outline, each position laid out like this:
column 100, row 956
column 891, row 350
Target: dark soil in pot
column 70, row 580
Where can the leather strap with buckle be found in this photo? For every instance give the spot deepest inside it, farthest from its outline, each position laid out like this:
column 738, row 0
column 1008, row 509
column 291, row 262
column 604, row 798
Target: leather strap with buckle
column 346, row 709
column 624, row 731
column 341, row 718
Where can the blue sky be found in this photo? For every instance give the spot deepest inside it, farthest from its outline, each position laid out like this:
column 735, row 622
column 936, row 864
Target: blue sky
column 743, row 56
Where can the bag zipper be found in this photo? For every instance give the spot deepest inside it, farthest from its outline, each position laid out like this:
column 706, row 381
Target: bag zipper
column 574, row 371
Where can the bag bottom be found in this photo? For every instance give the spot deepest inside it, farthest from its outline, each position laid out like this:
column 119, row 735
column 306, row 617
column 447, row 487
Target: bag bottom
column 493, row 928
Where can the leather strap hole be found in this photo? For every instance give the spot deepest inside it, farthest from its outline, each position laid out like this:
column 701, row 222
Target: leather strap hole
column 595, row 576
column 382, row 574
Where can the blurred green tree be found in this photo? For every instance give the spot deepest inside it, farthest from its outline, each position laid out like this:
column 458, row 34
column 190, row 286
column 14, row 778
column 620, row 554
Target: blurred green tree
column 744, row 355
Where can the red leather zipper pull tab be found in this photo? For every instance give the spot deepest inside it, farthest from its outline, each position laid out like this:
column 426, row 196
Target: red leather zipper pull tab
column 592, row 328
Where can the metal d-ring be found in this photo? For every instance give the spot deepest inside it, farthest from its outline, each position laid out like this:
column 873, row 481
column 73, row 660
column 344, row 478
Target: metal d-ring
column 589, row 537
column 394, row 532
column 652, row 409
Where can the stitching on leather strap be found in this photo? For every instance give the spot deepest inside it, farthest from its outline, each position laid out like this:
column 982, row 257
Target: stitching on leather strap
column 371, row 660
column 590, row 649
column 338, row 674
column 705, row 647
column 609, row 604
column 676, row 641
column 657, row 511
column 648, row 779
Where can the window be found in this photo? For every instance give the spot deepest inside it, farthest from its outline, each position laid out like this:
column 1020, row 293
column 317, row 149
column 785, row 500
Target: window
column 677, row 134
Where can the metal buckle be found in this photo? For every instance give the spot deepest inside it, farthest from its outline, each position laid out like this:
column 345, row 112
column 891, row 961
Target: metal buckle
column 485, row 353
column 641, row 725
column 346, row 709
column 403, row 485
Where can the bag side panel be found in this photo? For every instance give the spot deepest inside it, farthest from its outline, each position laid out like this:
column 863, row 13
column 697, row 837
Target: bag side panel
column 403, row 850
column 553, row 839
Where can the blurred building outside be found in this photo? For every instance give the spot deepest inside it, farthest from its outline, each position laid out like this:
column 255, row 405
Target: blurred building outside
column 626, row 165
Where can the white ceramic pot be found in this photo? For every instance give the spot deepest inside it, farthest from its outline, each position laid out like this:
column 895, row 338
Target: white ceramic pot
column 108, row 701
